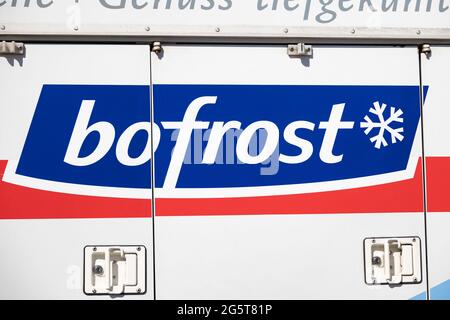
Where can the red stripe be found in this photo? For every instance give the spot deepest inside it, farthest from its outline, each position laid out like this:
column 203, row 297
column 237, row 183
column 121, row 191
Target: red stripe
column 438, row 184
column 403, row 196
column 17, row 202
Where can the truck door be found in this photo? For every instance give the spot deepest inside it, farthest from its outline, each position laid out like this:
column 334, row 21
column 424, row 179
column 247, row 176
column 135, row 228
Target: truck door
column 435, row 80
column 75, row 172
column 288, row 177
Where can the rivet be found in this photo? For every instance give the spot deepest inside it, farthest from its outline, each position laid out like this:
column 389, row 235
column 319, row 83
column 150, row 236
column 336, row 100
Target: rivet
column 285, row 30
column 217, row 29
column 147, row 28
column 2, row 27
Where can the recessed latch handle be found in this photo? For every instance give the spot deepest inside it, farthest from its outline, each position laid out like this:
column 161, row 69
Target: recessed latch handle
column 108, row 263
column 114, row 270
column 392, row 261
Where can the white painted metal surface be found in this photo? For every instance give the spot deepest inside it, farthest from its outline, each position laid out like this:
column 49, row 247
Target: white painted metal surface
column 45, row 247
column 436, row 76
column 46, row 255
column 352, row 19
column 217, row 255
column 275, row 256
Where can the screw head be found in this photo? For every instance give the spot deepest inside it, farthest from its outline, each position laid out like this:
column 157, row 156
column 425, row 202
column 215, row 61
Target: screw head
column 285, row 30
column 75, row 28
column 94, row 291
column 138, row 249
column 353, row 31
column 418, row 32
column 147, row 28
column 95, row 249
column 139, row 290
column 2, row 27
column 217, row 29
column 376, row 260
column 98, row 269
column 415, row 279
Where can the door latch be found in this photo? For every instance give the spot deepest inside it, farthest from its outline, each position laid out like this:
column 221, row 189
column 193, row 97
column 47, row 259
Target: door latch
column 114, row 270
column 392, row 260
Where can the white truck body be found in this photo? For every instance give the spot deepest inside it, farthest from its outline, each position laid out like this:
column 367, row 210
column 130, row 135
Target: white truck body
column 180, row 150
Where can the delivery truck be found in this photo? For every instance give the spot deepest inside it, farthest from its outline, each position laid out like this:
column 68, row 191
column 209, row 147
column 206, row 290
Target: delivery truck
column 224, row 149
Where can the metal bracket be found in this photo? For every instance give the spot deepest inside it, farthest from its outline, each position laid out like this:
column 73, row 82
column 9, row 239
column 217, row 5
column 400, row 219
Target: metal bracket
column 300, row 50
column 12, row 47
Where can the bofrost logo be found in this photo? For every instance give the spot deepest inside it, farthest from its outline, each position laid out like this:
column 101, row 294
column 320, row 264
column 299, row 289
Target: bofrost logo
column 219, row 137
column 383, row 125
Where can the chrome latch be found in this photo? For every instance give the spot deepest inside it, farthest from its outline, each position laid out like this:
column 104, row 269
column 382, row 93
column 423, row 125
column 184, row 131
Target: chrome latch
column 12, row 47
column 392, row 260
column 299, row 50
column 114, row 270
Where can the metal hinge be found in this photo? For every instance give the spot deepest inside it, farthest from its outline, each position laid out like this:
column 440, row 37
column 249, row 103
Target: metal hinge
column 425, row 49
column 12, row 47
column 156, row 47
column 299, row 50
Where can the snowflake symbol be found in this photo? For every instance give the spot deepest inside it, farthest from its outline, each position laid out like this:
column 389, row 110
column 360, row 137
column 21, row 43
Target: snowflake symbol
column 383, row 125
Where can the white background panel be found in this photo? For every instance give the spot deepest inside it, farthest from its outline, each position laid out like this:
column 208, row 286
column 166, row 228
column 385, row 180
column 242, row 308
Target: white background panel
column 279, row 256
column 37, row 255
column 438, row 254
column 166, row 17
column 332, row 65
column 43, row 259
column 275, row 257
column 436, row 75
